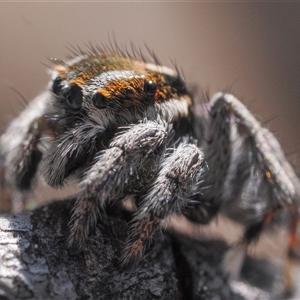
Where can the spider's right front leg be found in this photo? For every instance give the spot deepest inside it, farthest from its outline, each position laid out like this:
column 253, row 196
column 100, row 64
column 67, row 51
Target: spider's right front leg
column 127, row 166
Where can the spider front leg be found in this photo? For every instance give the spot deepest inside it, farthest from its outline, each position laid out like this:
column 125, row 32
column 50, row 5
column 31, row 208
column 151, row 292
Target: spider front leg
column 126, row 167
column 70, row 151
column 172, row 191
column 22, row 144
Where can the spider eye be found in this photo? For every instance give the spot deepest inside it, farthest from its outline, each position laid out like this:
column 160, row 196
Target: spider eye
column 129, row 91
column 150, row 88
column 56, row 86
column 99, row 100
column 73, row 95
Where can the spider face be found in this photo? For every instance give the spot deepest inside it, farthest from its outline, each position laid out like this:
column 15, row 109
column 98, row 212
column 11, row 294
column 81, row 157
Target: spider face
column 124, row 126
column 95, row 95
column 115, row 83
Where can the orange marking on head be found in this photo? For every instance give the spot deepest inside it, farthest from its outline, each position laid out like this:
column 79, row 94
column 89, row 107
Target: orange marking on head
column 77, row 81
column 104, row 92
column 61, row 73
column 94, row 65
column 128, row 90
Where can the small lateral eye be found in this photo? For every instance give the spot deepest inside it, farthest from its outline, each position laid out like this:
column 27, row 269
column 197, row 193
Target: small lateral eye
column 129, row 91
column 99, row 100
column 56, row 85
column 150, row 88
column 73, row 95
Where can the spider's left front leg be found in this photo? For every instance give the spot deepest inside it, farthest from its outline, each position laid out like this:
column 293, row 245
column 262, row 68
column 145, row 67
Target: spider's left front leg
column 22, row 147
column 126, row 167
column 174, row 188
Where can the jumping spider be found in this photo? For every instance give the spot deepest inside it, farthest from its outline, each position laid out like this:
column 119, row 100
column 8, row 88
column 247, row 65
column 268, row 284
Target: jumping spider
column 123, row 127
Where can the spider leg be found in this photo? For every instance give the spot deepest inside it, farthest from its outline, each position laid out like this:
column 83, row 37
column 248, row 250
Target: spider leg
column 69, row 151
column 234, row 258
column 20, row 142
column 176, row 184
column 269, row 185
column 293, row 242
column 269, row 154
column 126, row 167
column 22, row 145
column 218, row 153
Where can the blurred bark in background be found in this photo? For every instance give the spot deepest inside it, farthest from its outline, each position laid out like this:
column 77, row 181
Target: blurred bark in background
column 35, row 264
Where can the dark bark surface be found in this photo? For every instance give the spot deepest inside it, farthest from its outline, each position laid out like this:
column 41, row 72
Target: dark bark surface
column 34, row 263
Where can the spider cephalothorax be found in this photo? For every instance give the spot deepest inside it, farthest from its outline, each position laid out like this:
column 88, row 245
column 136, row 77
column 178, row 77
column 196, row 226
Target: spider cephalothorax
column 123, row 127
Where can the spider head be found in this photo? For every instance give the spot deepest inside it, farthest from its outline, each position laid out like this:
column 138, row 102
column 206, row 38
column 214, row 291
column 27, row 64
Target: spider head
column 117, row 88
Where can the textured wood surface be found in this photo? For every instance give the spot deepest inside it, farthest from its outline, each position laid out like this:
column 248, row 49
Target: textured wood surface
column 34, row 264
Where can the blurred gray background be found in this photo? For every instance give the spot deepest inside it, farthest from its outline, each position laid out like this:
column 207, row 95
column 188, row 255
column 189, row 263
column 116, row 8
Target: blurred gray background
column 252, row 47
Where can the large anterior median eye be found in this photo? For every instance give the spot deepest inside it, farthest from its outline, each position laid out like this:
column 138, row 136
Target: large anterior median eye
column 73, row 95
column 99, row 100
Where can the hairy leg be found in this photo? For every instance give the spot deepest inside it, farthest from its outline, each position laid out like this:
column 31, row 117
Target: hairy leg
column 218, row 151
column 127, row 166
column 22, row 146
column 21, row 143
column 69, row 151
column 174, row 188
column 268, row 183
